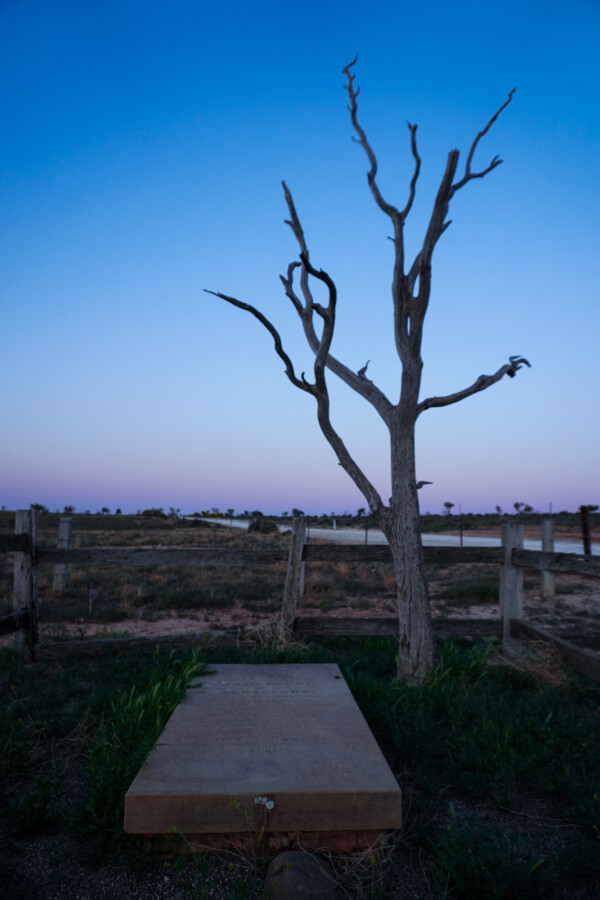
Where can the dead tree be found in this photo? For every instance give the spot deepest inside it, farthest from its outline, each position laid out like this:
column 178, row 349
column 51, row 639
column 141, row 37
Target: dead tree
column 411, row 287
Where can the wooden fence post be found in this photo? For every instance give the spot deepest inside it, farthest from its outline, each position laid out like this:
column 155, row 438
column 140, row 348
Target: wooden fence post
column 59, row 582
column 585, row 530
column 511, row 585
column 294, row 577
column 548, row 585
column 25, row 595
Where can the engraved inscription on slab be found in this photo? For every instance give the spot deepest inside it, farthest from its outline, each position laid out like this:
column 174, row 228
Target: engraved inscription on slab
column 291, row 734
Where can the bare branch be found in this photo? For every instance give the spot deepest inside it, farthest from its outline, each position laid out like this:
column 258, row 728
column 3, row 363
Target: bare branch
column 318, row 390
column 437, row 223
column 295, row 221
column 413, row 181
column 414, row 272
column 353, row 93
column 401, row 298
column 320, row 347
column 302, row 384
column 288, row 283
column 483, row 382
column 422, row 265
column 328, row 316
column 468, row 176
column 366, row 388
column 359, row 478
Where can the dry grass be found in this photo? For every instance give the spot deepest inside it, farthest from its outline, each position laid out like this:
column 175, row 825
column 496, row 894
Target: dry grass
column 540, row 664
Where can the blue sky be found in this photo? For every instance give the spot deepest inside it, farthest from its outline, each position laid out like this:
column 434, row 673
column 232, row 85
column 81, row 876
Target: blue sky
column 141, row 154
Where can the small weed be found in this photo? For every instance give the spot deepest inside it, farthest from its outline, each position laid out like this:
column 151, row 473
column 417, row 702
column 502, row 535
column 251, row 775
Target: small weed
column 256, row 820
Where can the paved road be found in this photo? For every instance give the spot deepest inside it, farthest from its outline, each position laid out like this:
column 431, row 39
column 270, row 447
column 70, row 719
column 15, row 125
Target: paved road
column 374, row 536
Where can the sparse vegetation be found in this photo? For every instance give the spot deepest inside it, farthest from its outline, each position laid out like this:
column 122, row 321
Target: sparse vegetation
column 498, row 765
column 498, row 762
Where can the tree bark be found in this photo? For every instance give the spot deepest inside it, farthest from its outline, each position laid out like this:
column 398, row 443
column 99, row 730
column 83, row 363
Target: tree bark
column 402, row 527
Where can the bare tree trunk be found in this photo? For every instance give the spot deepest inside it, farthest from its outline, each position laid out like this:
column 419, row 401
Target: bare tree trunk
column 415, row 637
column 402, row 527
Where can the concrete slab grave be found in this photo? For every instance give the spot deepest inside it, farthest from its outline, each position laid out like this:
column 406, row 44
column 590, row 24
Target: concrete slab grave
column 272, row 755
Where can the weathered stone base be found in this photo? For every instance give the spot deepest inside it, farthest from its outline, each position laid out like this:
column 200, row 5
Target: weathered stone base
column 267, row 843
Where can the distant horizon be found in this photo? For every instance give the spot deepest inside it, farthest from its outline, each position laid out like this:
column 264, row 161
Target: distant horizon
column 455, row 511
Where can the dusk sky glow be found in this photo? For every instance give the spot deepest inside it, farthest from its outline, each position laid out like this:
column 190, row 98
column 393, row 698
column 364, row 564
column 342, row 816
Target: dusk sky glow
column 142, row 151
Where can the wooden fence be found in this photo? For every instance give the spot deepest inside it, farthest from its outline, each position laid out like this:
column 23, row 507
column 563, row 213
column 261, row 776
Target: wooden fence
column 511, row 558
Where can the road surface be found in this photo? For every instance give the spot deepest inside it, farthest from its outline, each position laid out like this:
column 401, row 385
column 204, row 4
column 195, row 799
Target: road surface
column 374, row 536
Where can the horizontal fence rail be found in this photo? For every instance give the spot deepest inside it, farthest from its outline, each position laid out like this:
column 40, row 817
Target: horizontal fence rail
column 13, row 622
column 562, row 563
column 160, row 556
column 11, row 542
column 378, row 626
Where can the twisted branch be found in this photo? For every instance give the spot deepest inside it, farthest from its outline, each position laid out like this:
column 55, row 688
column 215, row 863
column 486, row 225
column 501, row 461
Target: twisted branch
column 365, row 387
column 319, row 389
column 300, row 383
column 388, row 208
column 413, row 181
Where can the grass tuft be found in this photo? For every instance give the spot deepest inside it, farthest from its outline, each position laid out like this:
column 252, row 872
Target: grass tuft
column 127, row 732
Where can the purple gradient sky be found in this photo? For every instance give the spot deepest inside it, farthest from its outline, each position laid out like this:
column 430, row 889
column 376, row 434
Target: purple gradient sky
column 142, row 149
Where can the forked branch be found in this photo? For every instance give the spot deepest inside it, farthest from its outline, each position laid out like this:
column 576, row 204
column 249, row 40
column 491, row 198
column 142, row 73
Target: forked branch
column 469, row 175
column 483, row 382
column 438, row 224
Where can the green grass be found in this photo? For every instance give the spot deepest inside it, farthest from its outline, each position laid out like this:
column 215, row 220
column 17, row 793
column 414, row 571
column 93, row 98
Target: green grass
column 127, row 731
column 100, row 716
column 500, row 772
